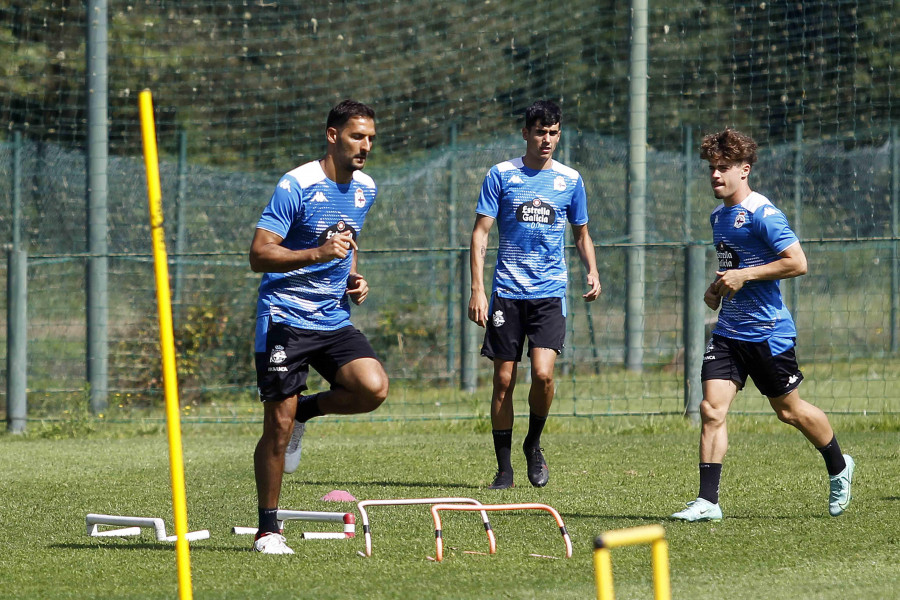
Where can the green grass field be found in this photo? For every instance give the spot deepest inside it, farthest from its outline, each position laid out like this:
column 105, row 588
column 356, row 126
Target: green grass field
column 777, row 540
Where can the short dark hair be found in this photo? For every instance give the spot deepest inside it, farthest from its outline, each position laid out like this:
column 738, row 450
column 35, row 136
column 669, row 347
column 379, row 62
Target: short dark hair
column 729, row 145
column 545, row 111
column 346, row 110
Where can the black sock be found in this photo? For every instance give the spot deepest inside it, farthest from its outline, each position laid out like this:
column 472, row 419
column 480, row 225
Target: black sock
column 710, row 474
column 503, row 448
column 268, row 521
column 307, row 408
column 535, row 428
column 834, row 459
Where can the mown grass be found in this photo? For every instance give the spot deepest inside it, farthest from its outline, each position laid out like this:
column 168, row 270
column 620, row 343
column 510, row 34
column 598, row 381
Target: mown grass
column 777, row 540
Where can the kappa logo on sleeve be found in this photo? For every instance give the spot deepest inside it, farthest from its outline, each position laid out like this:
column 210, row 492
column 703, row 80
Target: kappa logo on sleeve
column 285, row 184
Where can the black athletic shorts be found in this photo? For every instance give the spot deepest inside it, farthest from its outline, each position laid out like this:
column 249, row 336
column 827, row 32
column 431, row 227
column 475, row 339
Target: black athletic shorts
column 771, row 364
column 542, row 321
column 281, row 370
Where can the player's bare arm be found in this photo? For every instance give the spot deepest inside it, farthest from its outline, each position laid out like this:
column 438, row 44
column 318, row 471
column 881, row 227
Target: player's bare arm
column 478, row 304
column 792, row 263
column 585, row 246
column 267, row 255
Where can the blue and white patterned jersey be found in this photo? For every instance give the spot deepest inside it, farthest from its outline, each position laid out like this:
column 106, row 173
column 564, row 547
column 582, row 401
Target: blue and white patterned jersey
column 306, row 209
column 748, row 234
column 531, row 209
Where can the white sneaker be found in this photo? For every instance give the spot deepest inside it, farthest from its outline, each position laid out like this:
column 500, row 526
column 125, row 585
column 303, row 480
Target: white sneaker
column 839, row 493
column 292, row 454
column 271, row 543
column 699, row 510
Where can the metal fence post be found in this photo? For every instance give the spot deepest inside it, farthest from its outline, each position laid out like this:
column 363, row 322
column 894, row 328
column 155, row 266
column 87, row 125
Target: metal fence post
column 467, row 335
column 180, row 227
column 637, row 188
column 694, row 329
column 97, row 155
column 895, row 231
column 17, row 342
column 452, row 242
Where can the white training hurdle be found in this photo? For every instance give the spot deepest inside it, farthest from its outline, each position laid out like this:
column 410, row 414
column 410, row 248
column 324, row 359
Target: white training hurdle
column 283, row 515
column 367, row 533
column 129, row 526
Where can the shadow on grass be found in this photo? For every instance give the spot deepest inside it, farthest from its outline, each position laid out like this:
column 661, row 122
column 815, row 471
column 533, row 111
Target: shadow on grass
column 399, row 484
column 148, row 546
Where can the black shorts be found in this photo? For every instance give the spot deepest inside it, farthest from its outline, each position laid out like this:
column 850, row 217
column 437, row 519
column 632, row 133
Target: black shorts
column 542, row 321
column 281, row 370
column 771, row 364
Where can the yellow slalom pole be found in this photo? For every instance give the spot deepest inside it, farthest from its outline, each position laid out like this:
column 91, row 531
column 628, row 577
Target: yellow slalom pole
column 167, row 345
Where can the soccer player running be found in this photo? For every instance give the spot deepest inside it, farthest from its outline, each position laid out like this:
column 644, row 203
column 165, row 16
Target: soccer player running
column 531, row 198
column 755, row 333
column 306, row 247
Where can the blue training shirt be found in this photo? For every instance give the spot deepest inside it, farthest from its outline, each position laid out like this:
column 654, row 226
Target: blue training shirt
column 531, row 208
column 306, row 209
column 748, row 234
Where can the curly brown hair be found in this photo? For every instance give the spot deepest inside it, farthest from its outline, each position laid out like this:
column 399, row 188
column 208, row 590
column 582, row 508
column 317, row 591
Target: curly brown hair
column 728, row 145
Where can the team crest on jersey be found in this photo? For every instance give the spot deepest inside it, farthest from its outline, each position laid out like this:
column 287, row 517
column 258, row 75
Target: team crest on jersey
column 498, row 319
column 359, row 198
column 740, row 219
column 537, row 212
column 278, row 355
column 559, row 184
column 339, row 227
column 319, row 197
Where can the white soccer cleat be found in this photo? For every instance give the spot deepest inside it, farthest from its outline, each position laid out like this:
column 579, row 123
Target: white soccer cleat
column 292, row 454
column 271, row 543
column 699, row 510
column 839, row 493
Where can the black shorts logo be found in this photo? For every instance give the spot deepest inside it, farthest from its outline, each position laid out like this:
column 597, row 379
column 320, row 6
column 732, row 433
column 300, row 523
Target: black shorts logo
column 536, row 212
column 339, row 227
column 728, row 258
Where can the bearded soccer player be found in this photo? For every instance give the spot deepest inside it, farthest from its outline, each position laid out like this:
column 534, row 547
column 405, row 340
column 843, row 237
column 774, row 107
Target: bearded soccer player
column 306, row 247
column 531, row 198
column 755, row 334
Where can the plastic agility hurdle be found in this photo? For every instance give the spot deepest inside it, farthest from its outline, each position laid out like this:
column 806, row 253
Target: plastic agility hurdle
column 655, row 535
column 367, row 532
column 347, row 519
column 438, row 532
column 132, row 526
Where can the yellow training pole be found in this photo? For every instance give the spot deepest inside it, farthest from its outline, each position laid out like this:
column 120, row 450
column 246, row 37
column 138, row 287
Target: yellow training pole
column 655, row 535
column 167, row 345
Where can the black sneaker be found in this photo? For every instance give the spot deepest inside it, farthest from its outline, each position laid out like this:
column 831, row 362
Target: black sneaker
column 502, row 480
column 538, row 472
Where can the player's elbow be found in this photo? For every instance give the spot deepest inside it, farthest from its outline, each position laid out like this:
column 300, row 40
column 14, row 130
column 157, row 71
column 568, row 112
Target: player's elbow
column 801, row 267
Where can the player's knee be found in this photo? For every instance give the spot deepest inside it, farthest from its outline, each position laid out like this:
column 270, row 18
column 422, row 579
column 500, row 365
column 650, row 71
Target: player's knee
column 710, row 414
column 375, row 392
column 542, row 377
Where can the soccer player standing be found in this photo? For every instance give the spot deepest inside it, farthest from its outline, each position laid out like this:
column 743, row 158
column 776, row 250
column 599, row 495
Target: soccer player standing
column 755, row 334
column 305, row 246
column 531, row 198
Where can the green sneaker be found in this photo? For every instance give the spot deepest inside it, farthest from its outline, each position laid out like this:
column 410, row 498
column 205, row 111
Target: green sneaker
column 699, row 510
column 839, row 495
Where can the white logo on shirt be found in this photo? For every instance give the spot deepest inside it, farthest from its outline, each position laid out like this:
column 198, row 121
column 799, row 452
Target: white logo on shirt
column 559, row 184
column 359, row 199
column 769, row 211
column 498, row 319
column 792, row 379
column 319, row 197
column 285, row 184
column 740, row 219
column 515, row 179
